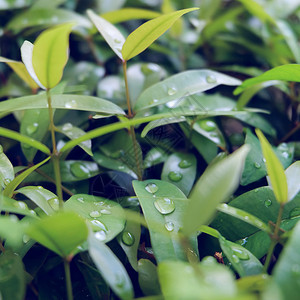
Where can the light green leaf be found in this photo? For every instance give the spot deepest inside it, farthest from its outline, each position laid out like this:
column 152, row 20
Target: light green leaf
column 163, row 206
column 61, row 232
column 103, row 215
column 180, row 170
column 128, row 13
column 43, row 198
column 292, row 174
column 181, row 85
column 147, row 33
column 21, row 70
column 50, row 54
column 110, row 33
column 6, row 169
column 275, row 170
column 289, row 72
column 110, row 268
column 204, row 198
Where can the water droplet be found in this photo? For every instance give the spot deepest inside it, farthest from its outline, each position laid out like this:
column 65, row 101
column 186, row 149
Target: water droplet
column 268, row 203
column 127, row 238
column 7, row 181
column 20, row 204
column 211, row 79
column 117, row 154
column 235, row 258
column 153, row 101
column 164, row 205
column 295, row 212
column 264, row 160
column 54, row 203
column 105, row 212
column 256, row 191
column 79, row 170
column 71, row 104
column 80, row 199
column 170, row 226
column 40, row 187
column 99, row 203
column 207, row 125
column 95, row 214
column 26, row 239
column 240, row 253
column 32, row 128
column 151, row 188
column 67, row 126
column 171, row 91
column 117, row 41
column 257, row 165
column 184, row 164
column 175, row 176
column 100, row 235
column 96, row 224
column 285, row 154
column 119, row 49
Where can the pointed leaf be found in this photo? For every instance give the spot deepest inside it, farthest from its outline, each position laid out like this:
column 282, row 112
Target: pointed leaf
column 111, row 34
column 147, row 33
column 50, row 54
column 6, row 170
column 111, row 268
column 205, row 197
column 292, row 174
column 61, row 232
column 275, row 170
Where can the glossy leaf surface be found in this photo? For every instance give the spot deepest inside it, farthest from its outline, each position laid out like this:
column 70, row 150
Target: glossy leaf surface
column 6, row 169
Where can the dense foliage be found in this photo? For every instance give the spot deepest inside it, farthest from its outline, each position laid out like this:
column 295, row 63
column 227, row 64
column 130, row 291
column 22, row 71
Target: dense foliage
column 149, row 149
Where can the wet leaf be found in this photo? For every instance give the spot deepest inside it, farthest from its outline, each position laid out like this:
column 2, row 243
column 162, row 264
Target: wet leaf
column 6, row 169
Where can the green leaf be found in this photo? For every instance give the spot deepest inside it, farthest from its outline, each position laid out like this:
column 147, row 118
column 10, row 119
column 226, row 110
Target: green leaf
column 50, row 54
column 110, row 33
column 180, row 169
column 110, row 268
column 9, row 189
column 73, row 102
column 292, row 173
column 204, row 197
column 275, row 170
column 12, row 279
column 128, row 13
column 104, row 216
column 61, row 232
column 21, row 70
column 43, row 198
column 163, row 206
column 147, row 33
column 73, row 132
column 181, row 85
column 34, row 124
column 289, row 72
column 286, row 273
column 154, row 156
column 24, row 139
column 6, row 169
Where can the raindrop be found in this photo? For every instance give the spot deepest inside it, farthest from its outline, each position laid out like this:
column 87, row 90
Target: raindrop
column 99, row 203
column 170, row 226
column 175, row 176
column 7, row 181
column 243, row 241
column 119, row 49
column 32, row 128
column 257, row 165
column 54, row 203
column 117, row 41
column 79, row 170
column 164, row 205
column 151, row 188
column 211, row 79
column 184, row 164
column 256, row 191
column 98, row 225
column 240, row 253
column 20, row 204
column 295, row 212
column 127, row 238
column 40, row 187
column 26, row 239
column 95, row 214
column 67, row 126
column 71, row 104
column 80, row 199
column 171, row 91
column 100, row 235
column 285, row 154
column 268, row 203
column 153, row 101
column 207, row 125
column 105, row 212
column 235, row 258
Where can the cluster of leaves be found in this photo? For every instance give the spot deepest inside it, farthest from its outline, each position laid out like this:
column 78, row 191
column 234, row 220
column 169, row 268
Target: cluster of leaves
column 127, row 173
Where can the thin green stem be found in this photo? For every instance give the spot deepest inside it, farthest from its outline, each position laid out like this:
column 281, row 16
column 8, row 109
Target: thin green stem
column 275, row 238
column 68, row 279
column 55, row 154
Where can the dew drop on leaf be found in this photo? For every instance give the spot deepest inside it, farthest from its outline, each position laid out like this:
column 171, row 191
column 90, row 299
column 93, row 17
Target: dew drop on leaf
column 119, row 281
column 184, row 164
column 100, row 235
column 32, row 128
column 105, row 212
column 268, row 203
column 79, row 170
column 151, row 188
column 67, row 126
column 80, row 199
column 241, row 254
column 7, row 181
column 20, row 204
column 257, row 165
column 164, row 205
column 95, row 214
column 98, row 225
column 170, row 226
column 99, row 203
column 235, row 258
column 175, row 176
column 127, row 238
column 211, row 79
column 71, row 104
column 171, row 91
column 54, row 203
column 117, row 41
column 207, row 125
